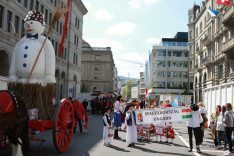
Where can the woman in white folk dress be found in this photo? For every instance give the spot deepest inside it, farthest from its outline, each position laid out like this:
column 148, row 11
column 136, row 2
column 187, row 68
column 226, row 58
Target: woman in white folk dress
column 131, row 136
column 107, row 127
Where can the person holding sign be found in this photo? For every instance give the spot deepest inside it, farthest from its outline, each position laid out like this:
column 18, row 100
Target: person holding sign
column 131, row 136
column 159, row 130
column 193, row 124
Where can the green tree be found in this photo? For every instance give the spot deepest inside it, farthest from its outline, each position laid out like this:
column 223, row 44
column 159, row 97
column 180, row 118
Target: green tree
column 83, row 89
column 126, row 91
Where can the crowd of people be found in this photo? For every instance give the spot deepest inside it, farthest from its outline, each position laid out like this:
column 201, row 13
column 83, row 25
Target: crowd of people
column 221, row 124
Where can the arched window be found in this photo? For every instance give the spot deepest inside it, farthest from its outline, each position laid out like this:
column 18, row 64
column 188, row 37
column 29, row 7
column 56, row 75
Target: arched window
column 204, row 80
column 4, row 63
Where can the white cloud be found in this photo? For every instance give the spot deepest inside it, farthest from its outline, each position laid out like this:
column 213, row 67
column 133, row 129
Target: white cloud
column 134, row 3
column 101, row 42
column 88, row 5
column 121, row 28
column 102, row 14
column 138, row 3
column 153, row 40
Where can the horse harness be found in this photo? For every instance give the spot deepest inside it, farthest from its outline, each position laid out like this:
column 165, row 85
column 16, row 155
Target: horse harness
column 20, row 118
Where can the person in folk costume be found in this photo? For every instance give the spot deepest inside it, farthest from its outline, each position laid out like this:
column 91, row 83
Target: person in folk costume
column 151, row 106
column 85, row 122
column 122, row 114
column 169, row 133
column 118, row 109
column 161, row 104
column 147, row 127
column 159, row 130
column 168, row 104
column 137, row 105
column 107, row 127
column 131, row 136
column 168, row 125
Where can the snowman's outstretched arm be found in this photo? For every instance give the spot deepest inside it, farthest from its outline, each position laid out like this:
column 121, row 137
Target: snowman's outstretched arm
column 50, row 63
column 12, row 74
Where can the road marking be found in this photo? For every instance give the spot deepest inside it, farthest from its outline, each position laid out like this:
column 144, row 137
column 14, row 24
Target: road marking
column 186, row 144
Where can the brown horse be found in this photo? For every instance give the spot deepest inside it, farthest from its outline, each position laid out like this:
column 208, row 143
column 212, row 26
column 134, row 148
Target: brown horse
column 15, row 123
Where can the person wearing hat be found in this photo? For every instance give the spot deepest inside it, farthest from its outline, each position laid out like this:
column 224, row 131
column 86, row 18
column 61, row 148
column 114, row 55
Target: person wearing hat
column 193, row 124
column 107, row 127
column 131, row 136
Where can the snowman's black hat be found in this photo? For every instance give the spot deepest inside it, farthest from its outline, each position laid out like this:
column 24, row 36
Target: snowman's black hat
column 35, row 16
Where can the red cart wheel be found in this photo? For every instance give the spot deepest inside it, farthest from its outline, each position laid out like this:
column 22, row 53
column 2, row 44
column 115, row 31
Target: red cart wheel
column 64, row 124
column 4, row 140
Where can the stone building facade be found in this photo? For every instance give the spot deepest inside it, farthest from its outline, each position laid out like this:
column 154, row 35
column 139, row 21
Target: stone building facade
column 68, row 66
column 97, row 69
column 211, row 45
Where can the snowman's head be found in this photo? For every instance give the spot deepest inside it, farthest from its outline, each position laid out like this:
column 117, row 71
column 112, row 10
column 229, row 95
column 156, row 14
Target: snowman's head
column 34, row 27
column 34, row 22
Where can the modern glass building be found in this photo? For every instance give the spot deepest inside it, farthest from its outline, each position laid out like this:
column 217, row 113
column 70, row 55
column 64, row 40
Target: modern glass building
column 169, row 66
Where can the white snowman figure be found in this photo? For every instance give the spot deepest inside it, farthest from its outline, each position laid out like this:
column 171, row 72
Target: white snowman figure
column 26, row 52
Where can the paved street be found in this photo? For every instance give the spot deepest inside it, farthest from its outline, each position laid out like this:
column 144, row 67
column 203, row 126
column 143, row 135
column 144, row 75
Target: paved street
column 91, row 143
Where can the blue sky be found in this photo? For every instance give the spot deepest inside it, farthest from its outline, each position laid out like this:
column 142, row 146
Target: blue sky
column 131, row 27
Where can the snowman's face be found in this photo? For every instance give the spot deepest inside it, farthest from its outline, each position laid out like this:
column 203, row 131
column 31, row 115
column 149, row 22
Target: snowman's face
column 34, row 27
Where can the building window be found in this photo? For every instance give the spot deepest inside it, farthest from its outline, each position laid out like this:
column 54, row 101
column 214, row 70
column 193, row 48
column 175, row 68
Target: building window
column 190, row 35
column 31, row 5
column 200, row 27
column 50, row 18
column 8, row 24
column 55, row 2
column 78, row 24
column 220, row 71
column 51, row 1
column 65, row 53
column 42, row 9
column 60, row 30
column 161, row 53
column 97, row 76
column 57, row 26
column 228, row 69
column 1, row 16
column 75, row 39
column 74, row 58
column 22, row 28
column 97, row 67
column 37, row 6
column 25, row 4
column 196, row 31
column 56, row 48
column 18, row 1
column 97, row 57
column 46, row 16
column 17, row 24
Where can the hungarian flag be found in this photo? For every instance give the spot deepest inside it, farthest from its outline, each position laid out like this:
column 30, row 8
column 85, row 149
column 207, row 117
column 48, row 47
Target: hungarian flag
column 225, row 2
column 186, row 113
column 146, row 93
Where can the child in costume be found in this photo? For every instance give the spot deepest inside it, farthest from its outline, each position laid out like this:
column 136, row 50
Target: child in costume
column 85, row 122
column 139, row 131
column 107, row 137
column 169, row 132
column 131, row 136
column 147, row 127
column 159, row 130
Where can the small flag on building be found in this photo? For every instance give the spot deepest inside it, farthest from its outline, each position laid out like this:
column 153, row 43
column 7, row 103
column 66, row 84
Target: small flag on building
column 175, row 103
column 225, row 2
column 213, row 13
column 186, row 113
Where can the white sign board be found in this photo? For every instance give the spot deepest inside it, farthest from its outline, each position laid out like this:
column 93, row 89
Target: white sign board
column 163, row 115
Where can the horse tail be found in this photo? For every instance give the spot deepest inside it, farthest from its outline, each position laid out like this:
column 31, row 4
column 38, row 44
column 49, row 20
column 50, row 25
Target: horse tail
column 25, row 139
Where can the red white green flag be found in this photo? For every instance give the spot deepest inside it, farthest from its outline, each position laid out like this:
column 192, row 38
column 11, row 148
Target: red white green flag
column 186, row 113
